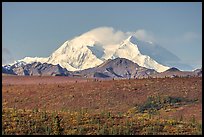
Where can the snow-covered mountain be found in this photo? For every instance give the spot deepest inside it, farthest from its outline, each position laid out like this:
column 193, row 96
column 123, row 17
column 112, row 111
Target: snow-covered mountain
column 90, row 49
column 161, row 55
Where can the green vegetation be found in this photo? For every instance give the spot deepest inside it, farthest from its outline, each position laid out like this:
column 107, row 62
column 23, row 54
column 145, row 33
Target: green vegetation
column 157, row 102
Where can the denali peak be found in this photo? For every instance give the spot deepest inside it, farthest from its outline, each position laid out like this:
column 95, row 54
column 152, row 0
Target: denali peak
column 89, row 50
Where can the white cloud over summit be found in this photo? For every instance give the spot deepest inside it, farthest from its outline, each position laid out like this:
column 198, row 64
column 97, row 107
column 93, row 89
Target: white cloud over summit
column 110, row 36
column 106, row 35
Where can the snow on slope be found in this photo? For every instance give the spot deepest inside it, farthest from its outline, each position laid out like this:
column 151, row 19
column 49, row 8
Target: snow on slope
column 34, row 59
column 130, row 51
column 94, row 47
column 28, row 60
column 74, row 56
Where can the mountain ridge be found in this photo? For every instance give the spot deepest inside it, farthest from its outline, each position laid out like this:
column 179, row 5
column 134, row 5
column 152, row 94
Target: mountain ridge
column 35, row 69
column 89, row 50
column 119, row 68
column 92, row 48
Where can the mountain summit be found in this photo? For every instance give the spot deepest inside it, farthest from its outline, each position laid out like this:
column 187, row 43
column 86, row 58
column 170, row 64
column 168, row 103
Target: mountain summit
column 96, row 46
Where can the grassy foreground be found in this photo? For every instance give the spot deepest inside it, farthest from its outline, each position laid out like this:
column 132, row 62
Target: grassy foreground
column 141, row 120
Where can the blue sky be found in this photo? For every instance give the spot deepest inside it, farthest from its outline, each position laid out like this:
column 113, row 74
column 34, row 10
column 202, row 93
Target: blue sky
column 38, row 29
